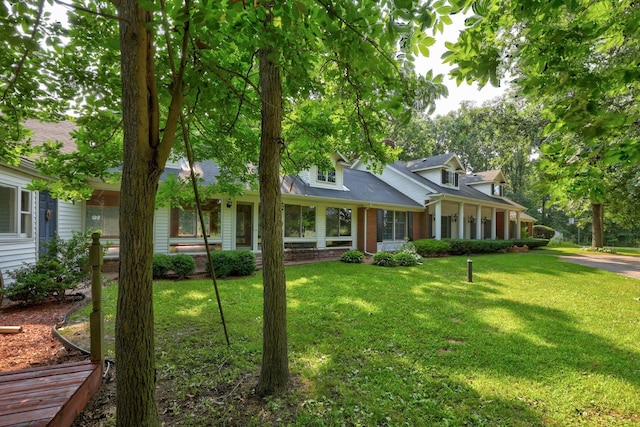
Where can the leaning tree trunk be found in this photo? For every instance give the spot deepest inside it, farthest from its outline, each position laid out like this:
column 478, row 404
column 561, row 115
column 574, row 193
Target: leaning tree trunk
column 136, row 397
column 597, row 225
column 274, row 374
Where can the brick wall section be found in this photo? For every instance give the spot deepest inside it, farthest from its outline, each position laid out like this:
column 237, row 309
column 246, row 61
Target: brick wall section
column 500, row 225
column 371, row 231
column 420, row 225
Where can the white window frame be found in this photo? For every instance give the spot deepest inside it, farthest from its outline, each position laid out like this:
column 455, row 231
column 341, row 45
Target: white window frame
column 22, row 226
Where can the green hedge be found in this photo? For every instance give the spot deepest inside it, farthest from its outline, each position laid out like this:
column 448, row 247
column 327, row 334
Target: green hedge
column 431, row 247
column 469, row 246
column 240, row 262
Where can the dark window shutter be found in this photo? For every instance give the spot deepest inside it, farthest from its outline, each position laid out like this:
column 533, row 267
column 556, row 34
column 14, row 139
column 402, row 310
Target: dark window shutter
column 410, row 225
column 380, row 227
column 445, row 177
column 456, row 178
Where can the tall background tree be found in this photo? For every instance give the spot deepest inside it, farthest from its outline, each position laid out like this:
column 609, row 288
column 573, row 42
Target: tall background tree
column 578, row 59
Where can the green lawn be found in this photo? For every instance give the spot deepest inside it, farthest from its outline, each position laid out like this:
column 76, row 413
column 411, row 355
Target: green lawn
column 532, row 341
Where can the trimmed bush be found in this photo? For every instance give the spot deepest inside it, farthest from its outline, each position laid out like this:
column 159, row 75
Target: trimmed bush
column 384, row 259
column 161, row 265
column 543, row 232
column 240, row 262
column 352, row 257
column 245, row 263
column 431, row 247
column 183, row 265
column 405, row 259
column 530, row 242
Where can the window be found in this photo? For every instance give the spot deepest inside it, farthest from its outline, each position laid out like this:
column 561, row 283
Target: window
column 327, row 176
column 392, row 225
column 496, row 190
column 15, row 214
column 185, row 222
column 25, row 213
column 338, row 222
column 449, row 177
column 103, row 213
column 8, row 210
column 445, row 227
column 299, row 221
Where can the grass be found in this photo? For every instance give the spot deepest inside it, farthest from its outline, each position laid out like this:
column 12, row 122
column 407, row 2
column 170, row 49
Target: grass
column 532, row 341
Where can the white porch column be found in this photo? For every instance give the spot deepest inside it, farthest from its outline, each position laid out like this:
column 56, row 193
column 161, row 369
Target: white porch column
column 461, row 220
column 507, row 220
column 438, row 218
column 493, row 224
column 517, row 224
column 478, row 222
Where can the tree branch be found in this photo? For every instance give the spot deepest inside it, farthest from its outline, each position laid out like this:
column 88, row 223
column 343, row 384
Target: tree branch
column 89, row 11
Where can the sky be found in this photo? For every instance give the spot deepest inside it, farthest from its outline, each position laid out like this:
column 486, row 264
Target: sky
column 457, row 94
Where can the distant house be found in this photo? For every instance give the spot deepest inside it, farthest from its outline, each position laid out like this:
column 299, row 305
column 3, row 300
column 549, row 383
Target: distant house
column 325, row 212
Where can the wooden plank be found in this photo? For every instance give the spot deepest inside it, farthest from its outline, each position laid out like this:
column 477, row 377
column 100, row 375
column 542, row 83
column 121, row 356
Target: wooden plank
column 79, row 400
column 25, row 398
column 45, row 371
column 48, row 396
column 48, row 382
column 26, row 418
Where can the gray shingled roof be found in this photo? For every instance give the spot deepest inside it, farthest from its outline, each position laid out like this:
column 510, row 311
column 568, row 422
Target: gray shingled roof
column 208, row 170
column 363, row 187
column 428, row 162
column 464, row 190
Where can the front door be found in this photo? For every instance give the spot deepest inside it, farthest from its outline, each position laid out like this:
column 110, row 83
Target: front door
column 47, row 220
column 244, row 226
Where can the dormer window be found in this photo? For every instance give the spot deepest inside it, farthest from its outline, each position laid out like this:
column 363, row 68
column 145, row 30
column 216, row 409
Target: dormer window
column 449, row 177
column 327, row 176
column 497, row 190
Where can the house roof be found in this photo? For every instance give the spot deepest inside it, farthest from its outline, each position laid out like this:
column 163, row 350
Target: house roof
column 486, row 176
column 363, row 187
column 524, row 217
column 431, row 162
column 60, row 131
column 464, row 190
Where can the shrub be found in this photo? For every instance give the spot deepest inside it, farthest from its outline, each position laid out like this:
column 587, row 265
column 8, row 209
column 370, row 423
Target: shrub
column 405, row 259
column 543, row 232
column 183, row 265
column 240, row 262
column 431, row 247
column 352, row 257
column 384, row 259
column 62, row 267
column 245, row 263
column 161, row 265
column 531, row 243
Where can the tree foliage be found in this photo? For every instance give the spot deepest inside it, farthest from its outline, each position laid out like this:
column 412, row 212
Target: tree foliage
column 579, row 59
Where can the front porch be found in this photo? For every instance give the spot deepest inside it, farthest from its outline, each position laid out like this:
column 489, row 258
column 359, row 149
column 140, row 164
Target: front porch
column 457, row 219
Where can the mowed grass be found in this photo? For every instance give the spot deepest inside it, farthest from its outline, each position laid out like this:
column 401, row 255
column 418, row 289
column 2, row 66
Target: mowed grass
column 532, row 341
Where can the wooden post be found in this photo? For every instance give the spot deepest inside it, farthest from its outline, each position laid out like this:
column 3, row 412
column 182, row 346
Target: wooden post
column 96, row 319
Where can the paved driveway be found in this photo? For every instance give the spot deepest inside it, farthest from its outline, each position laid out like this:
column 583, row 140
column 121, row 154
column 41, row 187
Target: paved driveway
column 625, row 265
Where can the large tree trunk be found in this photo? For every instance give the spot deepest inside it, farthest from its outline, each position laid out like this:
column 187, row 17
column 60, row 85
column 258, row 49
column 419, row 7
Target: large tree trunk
column 135, row 397
column 274, row 374
column 597, row 225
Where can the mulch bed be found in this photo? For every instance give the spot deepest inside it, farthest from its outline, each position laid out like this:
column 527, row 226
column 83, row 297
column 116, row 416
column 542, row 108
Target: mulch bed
column 35, row 345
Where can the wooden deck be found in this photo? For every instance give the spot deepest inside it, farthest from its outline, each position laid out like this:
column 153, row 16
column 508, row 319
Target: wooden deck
column 47, row 395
